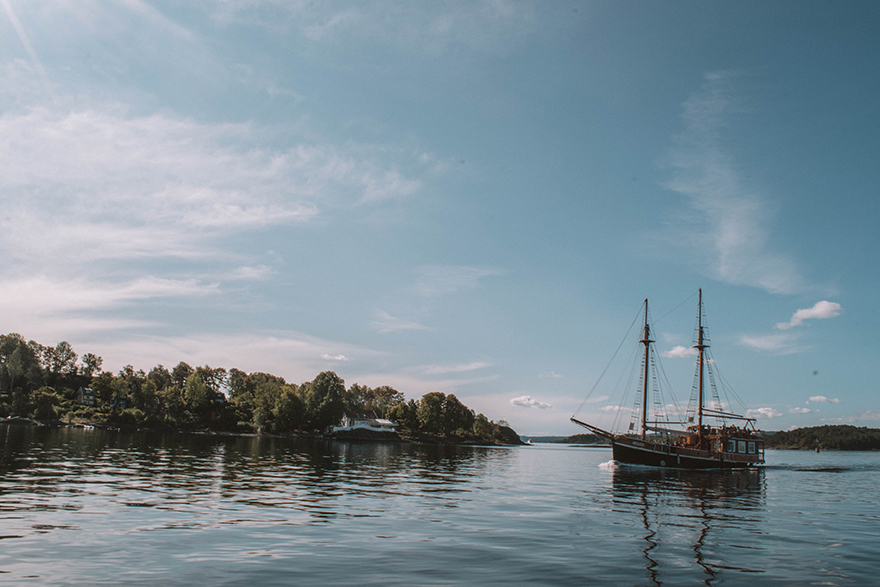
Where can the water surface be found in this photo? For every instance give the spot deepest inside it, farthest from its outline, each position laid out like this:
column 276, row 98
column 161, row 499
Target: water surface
column 96, row 507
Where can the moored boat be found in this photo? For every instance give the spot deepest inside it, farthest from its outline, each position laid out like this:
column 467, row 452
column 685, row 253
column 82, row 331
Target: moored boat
column 706, row 438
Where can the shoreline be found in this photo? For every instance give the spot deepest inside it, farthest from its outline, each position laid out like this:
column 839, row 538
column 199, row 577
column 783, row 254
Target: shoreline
column 365, row 436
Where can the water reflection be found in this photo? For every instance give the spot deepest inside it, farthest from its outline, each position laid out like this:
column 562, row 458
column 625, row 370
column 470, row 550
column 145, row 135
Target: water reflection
column 715, row 514
column 290, row 481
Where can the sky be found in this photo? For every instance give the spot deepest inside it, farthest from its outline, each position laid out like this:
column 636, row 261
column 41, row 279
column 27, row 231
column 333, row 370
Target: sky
column 467, row 197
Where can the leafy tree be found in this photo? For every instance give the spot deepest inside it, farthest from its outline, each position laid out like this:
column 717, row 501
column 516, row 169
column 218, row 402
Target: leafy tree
column 45, row 403
column 430, row 412
column 384, row 398
column 91, row 364
column 214, row 378
column 61, row 361
column 324, row 400
column 289, row 410
column 195, row 395
column 483, row 428
column 180, row 374
column 20, row 362
column 405, row 414
column 173, row 403
column 357, row 399
column 457, row 418
column 267, row 391
column 103, row 386
column 160, row 376
column 241, row 392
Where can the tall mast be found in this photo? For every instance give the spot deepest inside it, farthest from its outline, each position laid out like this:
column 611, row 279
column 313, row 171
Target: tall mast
column 646, row 340
column 700, row 346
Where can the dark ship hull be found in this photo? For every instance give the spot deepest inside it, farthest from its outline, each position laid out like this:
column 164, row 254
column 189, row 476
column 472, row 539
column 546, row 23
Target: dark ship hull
column 631, row 451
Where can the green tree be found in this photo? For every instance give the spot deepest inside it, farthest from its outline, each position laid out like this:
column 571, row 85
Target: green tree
column 195, row 396
column 160, row 376
column 267, row 391
column 405, row 414
column 45, row 403
column 324, row 400
column 104, row 388
column 384, row 398
column 91, row 364
column 431, row 412
column 173, row 404
column 483, row 428
column 357, row 399
column 289, row 410
column 180, row 374
column 457, row 418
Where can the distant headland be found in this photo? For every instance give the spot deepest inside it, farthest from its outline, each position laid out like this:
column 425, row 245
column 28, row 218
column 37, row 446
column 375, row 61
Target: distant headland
column 829, row 437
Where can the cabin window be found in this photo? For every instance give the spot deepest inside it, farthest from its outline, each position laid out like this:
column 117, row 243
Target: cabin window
column 741, row 446
column 751, row 448
column 731, row 446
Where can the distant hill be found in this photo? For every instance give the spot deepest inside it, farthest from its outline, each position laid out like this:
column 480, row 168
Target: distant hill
column 839, row 437
column 582, row 439
column 544, row 439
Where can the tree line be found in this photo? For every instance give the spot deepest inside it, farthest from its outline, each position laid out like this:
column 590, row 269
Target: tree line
column 42, row 382
column 828, row 437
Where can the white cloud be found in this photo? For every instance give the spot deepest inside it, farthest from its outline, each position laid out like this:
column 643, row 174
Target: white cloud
column 732, row 229
column 293, row 355
column 680, row 352
column 526, row 401
column 763, row 413
column 819, row 311
column 821, row 399
column 800, row 411
column 779, row 344
column 335, row 357
column 169, row 185
column 94, row 197
column 250, row 273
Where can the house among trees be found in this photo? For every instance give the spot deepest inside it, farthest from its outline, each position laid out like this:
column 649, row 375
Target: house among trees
column 85, row 396
column 365, row 420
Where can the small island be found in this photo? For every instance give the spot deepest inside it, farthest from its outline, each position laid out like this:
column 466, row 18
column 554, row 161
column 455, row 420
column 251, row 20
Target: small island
column 53, row 385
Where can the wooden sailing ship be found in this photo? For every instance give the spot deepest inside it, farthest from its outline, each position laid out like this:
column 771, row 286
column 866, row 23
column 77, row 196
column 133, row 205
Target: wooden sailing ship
column 707, row 438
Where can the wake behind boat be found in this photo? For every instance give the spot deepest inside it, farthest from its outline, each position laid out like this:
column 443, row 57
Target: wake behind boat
column 729, row 441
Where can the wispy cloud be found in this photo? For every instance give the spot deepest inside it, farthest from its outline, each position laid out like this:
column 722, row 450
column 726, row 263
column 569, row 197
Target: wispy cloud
column 819, row 311
column 94, row 197
column 385, row 323
column 527, row 401
column 680, row 352
column 779, row 344
column 733, row 225
column 293, row 355
column 25, row 41
column 550, row 374
column 438, row 280
column 488, row 25
column 462, row 368
column 800, row 411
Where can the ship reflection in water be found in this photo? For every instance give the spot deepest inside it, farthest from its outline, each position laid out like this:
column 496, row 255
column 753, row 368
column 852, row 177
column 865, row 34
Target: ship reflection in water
column 715, row 514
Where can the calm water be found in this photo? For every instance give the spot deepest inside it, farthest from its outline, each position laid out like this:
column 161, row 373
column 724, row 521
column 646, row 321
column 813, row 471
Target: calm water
column 94, row 507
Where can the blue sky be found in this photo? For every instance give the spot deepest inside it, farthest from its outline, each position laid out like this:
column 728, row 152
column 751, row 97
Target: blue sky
column 467, row 197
